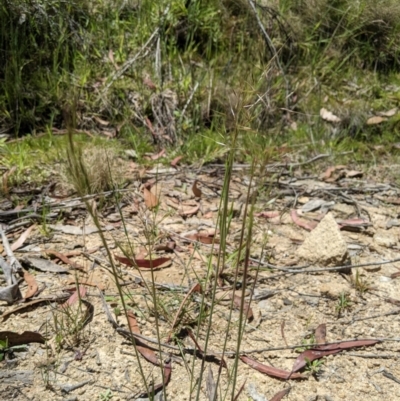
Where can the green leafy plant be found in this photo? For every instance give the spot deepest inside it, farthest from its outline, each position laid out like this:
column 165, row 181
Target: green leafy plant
column 106, row 396
column 360, row 284
column 344, row 303
column 315, row 366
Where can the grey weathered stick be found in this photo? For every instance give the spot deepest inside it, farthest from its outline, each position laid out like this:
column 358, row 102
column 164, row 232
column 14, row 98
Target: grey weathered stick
column 117, row 74
column 13, row 262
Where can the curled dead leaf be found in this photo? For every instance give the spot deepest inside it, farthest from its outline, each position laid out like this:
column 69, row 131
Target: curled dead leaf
column 175, row 162
column 196, row 191
column 146, row 352
column 32, row 285
column 150, row 200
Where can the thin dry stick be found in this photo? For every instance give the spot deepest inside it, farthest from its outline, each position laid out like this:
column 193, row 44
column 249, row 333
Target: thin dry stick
column 273, row 51
column 326, row 269
column 117, row 74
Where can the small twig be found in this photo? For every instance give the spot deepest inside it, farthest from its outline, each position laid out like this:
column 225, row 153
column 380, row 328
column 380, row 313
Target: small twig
column 272, row 49
column 131, row 61
column 13, row 262
column 325, row 269
column 393, row 312
column 373, row 356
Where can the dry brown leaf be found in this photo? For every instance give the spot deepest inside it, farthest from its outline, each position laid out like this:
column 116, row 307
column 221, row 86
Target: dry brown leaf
column 329, row 116
column 270, row 370
column 196, row 191
column 375, row 120
column 308, row 225
column 158, row 263
column 5, row 178
column 74, row 297
column 145, row 351
column 18, row 339
column 158, row 155
column 20, row 241
column 325, row 350
column 310, row 355
column 63, row 258
column 320, row 334
column 204, row 239
column 166, row 378
column 150, row 199
column 389, row 113
column 32, row 285
column 278, row 396
column 188, row 211
column 175, row 162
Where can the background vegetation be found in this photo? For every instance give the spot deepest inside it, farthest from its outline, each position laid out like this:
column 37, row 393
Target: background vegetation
column 187, row 72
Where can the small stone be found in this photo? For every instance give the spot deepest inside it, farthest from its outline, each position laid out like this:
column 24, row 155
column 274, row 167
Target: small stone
column 385, row 239
column 312, row 301
column 334, row 290
column 392, row 223
column 324, row 245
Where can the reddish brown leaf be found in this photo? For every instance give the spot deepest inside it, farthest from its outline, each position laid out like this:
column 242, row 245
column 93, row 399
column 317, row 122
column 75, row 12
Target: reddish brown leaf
column 189, row 211
column 196, row 191
column 310, row 225
column 395, row 275
column 147, row 353
column 324, row 350
column 145, row 263
column 32, row 285
column 175, row 162
column 240, row 391
column 20, row 241
column 150, row 199
column 74, row 297
column 158, row 155
column 320, row 334
column 268, row 214
column 343, row 224
column 310, row 355
column 237, row 300
column 204, row 239
column 5, row 178
column 270, row 370
column 327, row 176
column 159, row 387
column 278, row 396
column 63, row 258
column 18, row 339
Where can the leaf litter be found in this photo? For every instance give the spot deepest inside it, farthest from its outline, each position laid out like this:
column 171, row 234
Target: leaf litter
column 300, row 300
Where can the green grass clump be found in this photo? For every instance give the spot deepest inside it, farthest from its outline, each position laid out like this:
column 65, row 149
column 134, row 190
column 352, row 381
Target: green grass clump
column 174, row 69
